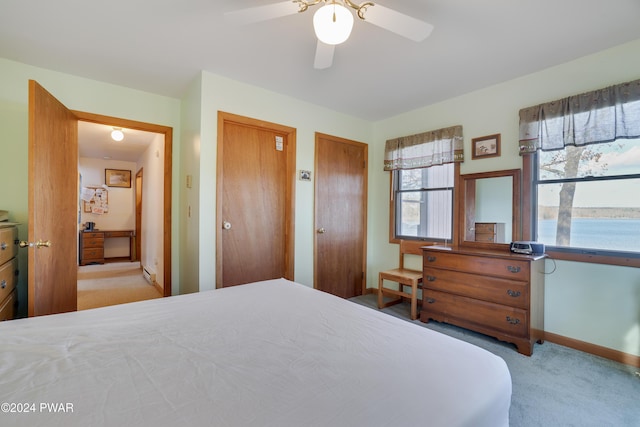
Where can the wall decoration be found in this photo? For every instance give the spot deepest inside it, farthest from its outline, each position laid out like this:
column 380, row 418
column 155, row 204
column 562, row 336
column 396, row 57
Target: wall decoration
column 117, row 178
column 95, row 200
column 485, row 146
column 305, row 175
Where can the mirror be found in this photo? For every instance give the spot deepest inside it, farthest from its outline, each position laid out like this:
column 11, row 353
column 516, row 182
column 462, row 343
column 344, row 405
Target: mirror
column 490, row 208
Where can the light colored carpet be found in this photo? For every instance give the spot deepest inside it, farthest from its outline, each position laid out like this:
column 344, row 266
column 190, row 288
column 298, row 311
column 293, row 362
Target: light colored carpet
column 555, row 387
column 111, row 284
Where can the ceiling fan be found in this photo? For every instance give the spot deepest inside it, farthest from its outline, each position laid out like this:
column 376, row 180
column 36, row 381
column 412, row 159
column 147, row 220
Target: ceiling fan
column 333, row 22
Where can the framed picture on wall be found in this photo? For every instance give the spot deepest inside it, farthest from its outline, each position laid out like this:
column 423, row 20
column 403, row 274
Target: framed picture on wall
column 485, row 146
column 117, row 178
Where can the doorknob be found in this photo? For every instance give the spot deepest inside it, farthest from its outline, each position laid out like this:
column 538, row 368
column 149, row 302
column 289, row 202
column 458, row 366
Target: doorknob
column 226, row 225
column 38, row 244
column 321, row 230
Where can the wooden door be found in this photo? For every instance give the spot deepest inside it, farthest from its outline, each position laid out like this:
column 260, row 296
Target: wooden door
column 256, row 166
column 340, row 216
column 53, row 204
column 138, row 246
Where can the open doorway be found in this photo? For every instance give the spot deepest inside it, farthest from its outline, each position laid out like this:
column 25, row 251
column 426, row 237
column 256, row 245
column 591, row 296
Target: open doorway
column 123, row 231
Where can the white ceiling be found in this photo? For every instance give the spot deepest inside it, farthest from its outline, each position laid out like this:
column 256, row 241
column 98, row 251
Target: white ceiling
column 94, row 141
column 160, row 46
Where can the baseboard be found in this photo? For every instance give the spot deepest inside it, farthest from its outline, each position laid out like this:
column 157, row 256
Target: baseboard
column 158, row 287
column 596, row 350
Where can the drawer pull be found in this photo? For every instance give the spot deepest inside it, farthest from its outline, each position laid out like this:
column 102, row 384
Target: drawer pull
column 3, row 284
column 3, row 245
column 513, row 321
column 431, row 258
column 430, row 300
column 513, row 269
column 431, row 278
column 514, row 294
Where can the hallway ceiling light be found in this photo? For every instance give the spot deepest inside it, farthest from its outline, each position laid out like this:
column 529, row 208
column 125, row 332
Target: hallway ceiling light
column 117, row 135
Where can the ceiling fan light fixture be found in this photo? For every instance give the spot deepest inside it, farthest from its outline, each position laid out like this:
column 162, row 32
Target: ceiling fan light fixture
column 333, row 23
column 117, row 135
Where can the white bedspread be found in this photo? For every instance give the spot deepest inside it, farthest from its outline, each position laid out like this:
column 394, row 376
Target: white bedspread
column 272, row 353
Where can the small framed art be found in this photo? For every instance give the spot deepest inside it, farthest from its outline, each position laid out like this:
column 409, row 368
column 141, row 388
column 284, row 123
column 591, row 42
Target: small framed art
column 485, row 146
column 117, row 178
column 305, row 175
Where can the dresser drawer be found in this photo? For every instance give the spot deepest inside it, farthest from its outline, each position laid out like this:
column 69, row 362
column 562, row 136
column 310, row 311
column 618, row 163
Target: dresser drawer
column 510, row 268
column 8, row 307
column 502, row 291
column 8, row 245
column 485, row 227
column 485, row 237
column 8, row 278
column 449, row 308
column 92, row 234
column 92, row 242
column 92, row 254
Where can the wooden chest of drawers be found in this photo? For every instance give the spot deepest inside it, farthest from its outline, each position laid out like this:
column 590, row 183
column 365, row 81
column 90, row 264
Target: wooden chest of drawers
column 8, row 271
column 495, row 293
column 91, row 247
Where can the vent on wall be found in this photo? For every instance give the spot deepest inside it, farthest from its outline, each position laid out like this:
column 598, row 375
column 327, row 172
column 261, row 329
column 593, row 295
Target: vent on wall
column 149, row 275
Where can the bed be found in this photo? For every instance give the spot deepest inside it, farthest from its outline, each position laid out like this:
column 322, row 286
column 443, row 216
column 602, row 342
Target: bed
column 272, row 353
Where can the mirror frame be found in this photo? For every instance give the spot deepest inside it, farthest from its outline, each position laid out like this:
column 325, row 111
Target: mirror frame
column 466, row 199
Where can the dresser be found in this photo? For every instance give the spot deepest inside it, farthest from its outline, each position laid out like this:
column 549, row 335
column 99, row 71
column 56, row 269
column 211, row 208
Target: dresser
column 492, row 292
column 492, row 232
column 8, row 271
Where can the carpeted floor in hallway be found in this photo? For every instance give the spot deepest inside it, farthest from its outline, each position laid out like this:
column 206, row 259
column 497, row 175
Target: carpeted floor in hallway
column 110, row 284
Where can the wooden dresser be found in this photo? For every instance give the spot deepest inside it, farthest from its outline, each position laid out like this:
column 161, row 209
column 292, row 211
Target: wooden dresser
column 8, row 271
column 492, row 292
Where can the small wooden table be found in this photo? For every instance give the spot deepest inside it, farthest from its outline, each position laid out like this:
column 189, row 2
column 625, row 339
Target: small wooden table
column 92, row 245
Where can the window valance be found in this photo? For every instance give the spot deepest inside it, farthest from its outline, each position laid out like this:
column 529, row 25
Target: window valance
column 590, row 118
column 426, row 149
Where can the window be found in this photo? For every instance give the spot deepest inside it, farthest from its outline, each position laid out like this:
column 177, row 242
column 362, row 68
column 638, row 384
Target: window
column 585, row 174
column 588, row 198
column 424, row 203
column 423, row 169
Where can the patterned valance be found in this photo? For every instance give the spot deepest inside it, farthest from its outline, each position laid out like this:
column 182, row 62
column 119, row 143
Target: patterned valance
column 426, row 149
column 590, row 118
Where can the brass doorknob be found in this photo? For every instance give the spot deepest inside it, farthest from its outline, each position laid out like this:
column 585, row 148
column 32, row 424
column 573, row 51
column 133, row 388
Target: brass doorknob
column 321, row 230
column 38, row 244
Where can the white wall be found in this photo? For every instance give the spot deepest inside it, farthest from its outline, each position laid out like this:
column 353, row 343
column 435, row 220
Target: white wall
column 121, row 214
column 152, row 164
column 598, row 304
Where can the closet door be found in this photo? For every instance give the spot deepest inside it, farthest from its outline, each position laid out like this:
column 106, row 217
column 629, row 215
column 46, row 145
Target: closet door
column 255, row 201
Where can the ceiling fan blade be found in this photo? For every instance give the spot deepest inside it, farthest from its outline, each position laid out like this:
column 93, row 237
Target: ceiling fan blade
column 399, row 23
column 324, row 56
column 262, row 13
